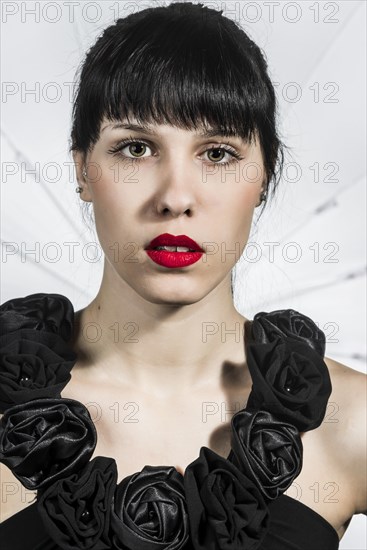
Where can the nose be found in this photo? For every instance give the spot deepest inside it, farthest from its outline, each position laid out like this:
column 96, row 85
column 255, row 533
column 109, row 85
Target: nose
column 175, row 195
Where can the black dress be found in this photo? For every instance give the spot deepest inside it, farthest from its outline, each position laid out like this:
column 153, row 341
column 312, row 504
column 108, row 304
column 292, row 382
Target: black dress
column 293, row 526
column 237, row 503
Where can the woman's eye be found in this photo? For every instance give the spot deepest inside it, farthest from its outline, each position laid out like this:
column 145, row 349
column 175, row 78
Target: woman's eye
column 217, row 154
column 131, row 149
column 136, row 149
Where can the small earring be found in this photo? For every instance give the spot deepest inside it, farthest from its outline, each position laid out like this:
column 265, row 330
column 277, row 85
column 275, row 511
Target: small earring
column 263, row 195
column 80, row 189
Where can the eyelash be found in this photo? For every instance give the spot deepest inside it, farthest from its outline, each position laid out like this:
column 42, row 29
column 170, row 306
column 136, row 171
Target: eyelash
column 130, row 140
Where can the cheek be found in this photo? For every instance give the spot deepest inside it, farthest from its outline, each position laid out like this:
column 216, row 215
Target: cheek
column 112, row 209
column 240, row 202
column 228, row 224
column 240, row 191
column 242, row 212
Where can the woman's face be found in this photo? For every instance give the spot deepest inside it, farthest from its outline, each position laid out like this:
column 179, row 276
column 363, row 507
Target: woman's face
column 161, row 179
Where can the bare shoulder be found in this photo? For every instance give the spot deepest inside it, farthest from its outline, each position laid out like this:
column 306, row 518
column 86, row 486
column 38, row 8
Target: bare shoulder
column 349, row 390
column 347, row 410
column 14, row 496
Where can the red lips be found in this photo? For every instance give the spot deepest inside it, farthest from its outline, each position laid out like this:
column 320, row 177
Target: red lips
column 172, row 259
column 171, row 240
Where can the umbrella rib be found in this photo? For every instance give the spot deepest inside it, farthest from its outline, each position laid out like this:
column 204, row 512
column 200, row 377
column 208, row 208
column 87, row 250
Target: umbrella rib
column 327, row 284
column 353, row 355
column 20, row 155
column 44, row 267
column 324, row 53
column 329, row 203
column 77, row 34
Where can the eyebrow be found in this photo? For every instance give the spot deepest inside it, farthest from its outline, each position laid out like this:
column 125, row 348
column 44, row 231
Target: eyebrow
column 211, row 132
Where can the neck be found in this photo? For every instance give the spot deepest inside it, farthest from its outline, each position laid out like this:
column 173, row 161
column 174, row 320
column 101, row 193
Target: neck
column 161, row 347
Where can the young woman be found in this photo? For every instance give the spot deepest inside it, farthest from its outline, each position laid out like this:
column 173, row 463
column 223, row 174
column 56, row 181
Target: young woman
column 175, row 145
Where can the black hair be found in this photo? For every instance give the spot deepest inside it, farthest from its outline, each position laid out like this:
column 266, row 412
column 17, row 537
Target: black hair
column 186, row 65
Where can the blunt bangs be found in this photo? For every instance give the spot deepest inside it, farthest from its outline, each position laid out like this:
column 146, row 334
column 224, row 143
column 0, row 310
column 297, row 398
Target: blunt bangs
column 185, row 65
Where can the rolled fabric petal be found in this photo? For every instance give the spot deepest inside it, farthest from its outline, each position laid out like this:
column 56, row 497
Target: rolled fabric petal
column 42, row 311
column 46, row 439
column 149, row 511
column 290, row 380
column 76, row 510
column 33, row 364
column 226, row 509
column 269, row 451
column 267, row 327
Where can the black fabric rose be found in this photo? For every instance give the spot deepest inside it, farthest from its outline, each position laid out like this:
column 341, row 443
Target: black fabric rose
column 150, row 511
column 46, row 439
column 33, row 364
column 267, row 450
column 50, row 312
column 290, row 380
column 76, row 510
column 267, row 327
column 226, row 509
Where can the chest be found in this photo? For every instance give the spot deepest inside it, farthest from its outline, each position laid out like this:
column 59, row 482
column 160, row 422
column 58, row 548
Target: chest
column 138, row 430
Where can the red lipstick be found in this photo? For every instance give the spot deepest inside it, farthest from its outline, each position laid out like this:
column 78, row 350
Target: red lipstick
column 172, row 257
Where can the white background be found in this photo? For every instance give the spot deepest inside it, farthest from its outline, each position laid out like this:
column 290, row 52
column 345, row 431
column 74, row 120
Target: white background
column 316, row 55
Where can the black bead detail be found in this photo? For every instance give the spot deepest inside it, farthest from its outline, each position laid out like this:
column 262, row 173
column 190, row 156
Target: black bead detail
column 24, row 378
column 85, row 516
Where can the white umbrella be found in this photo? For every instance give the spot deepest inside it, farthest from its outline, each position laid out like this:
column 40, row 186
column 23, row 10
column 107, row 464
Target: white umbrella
column 315, row 229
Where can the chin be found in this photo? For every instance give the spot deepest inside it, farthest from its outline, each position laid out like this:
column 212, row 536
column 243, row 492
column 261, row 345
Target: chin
column 174, row 298
column 172, row 303
column 171, row 293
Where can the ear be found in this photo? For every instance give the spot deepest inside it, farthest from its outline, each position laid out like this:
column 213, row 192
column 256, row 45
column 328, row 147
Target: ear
column 80, row 167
